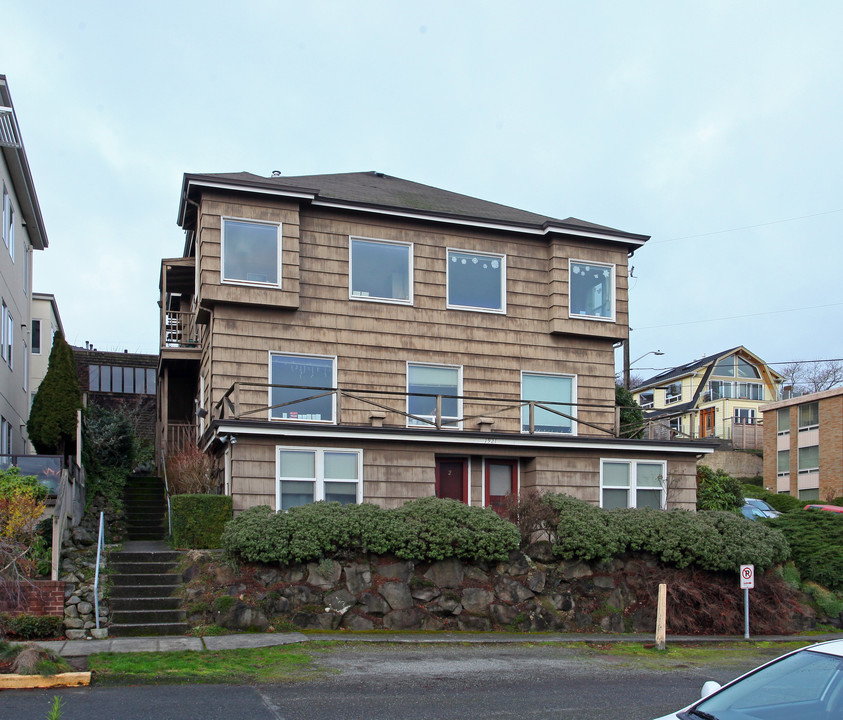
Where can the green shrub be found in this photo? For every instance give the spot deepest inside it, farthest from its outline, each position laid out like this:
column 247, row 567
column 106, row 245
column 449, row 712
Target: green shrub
column 424, row 529
column 199, row 520
column 816, row 543
column 30, row 627
column 108, row 482
column 13, row 483
column 716, row 490
column 826, row 601
column 709, row 540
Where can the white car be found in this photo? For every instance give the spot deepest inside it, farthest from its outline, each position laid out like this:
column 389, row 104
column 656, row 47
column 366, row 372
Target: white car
column 806, row 684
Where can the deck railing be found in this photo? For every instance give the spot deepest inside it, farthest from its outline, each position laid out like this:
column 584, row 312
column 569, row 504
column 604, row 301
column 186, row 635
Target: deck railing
column 179, row 330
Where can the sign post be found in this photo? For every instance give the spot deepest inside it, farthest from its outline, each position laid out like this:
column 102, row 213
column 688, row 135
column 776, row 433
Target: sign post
column 747, row 584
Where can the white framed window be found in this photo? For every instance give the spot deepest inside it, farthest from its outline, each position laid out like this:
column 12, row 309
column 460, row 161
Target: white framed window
column 5, row 437
column 675, row 424
column 25, row 367
column 306, row 475
column 744, row 416
column 809, row 459
column 672, row 393
column 476, row 281
column 783, row 421
column 8, row 223
column 646, row 399
column 251, row 252
column 427, row 382
column 36, row 337
column 556, row 392
column 380, row 270
column 591, row 289
column 632, row 483
column 809, row 416
column 307, row 382
column 782, row 463
column 7, row 337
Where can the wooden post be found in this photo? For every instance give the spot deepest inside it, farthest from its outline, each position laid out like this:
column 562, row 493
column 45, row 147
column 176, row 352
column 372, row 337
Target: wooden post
column 661, row 618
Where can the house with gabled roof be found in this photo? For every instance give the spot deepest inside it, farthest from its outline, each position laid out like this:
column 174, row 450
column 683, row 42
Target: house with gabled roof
column 717, row 396
column 358, row 337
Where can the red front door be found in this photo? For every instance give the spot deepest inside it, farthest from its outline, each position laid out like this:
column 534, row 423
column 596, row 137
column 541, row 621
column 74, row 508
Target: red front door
column 452, row 478
column 501, row 480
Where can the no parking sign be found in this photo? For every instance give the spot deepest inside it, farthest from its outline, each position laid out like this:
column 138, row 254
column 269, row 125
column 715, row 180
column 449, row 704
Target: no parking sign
column 747, row 577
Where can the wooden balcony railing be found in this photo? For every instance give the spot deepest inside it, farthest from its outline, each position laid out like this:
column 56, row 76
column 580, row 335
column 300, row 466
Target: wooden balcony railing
column 179, row 330
column 383, row 408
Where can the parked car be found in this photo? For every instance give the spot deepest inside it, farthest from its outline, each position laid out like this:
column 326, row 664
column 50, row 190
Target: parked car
column 764, row 507
column 805, row 684
column 750, row 512
column 829, row 508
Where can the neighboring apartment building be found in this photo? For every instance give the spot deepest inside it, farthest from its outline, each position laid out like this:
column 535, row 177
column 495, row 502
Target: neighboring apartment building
column 804, row 457
column 717, row 396
column 362, row 338
column 22, row 232
column 120, row 379
column 46, row 321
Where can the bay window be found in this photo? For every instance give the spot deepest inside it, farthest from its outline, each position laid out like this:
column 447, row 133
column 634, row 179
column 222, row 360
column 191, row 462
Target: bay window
column 591, row 290
column 251, row 252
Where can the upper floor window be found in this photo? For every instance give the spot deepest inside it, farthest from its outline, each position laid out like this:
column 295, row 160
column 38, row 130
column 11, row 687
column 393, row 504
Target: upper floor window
column 8, row 222
column 303, row 378
column 476, row 281
column 36, row 337
column 381, row 270
column 251, row 252
column 809, row 459
column 783, row 420
column 427, row 384
column 783, row 462
column 592, row 290
column 809, row 416
column 7, row 339
column 672, row 393
column 646, row 399
column 734, row 366
column 556, row 394
column 720, row 389
column 121, row 379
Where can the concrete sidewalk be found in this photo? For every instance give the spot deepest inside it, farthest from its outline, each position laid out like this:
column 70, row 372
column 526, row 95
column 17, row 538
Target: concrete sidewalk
column 83, row 648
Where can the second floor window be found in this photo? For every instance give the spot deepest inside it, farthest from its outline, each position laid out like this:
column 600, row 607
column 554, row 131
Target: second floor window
column 8, row 330
column 36, row 337
column 809, row 459
column 591, row 287
column 556, row 393
column 744, row 416
column 8, row 222
column 809, row 416
column 646, row 399
column 783, row 462
column 424, row 383
column 251, row 252
column 673, row 393
column 381, row 270
column 476, row 281
column 303, row 377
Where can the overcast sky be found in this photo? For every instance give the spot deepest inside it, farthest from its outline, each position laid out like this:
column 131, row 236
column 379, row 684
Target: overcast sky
column 714, row 127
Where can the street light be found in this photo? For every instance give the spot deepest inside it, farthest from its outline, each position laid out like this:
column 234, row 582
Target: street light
column 628, row 364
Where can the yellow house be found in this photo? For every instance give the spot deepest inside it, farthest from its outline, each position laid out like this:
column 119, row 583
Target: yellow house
column 717, row 396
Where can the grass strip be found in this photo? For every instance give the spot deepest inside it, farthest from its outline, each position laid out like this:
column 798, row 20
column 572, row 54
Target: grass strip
column 248, row 665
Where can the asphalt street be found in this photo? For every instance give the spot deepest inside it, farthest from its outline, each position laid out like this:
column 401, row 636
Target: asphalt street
column 410, row 683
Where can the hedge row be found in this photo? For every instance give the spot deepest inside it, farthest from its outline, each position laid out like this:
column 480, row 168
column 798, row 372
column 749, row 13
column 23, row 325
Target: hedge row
column 199, row 520
column 717, row 541
column 426, row 529
column 816, row 542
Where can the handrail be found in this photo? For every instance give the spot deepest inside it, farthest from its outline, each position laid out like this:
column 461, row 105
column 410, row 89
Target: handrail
column 100, row 546
column 167, row 493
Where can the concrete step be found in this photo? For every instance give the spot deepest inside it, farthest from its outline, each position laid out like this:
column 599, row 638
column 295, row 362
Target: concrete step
column 146, row 535
column 145, row 556
column 122, row 630
column 142, row 568
column 135, row 603
column 142, row 592
column 146, row 617
column 141, row 579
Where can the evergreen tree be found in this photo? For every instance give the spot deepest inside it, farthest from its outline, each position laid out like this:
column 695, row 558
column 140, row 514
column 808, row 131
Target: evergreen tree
column 52, row 418
column 632, row 417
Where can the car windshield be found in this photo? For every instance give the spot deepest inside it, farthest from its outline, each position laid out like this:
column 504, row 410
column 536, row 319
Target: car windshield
column 759, row 504
column 807, row 685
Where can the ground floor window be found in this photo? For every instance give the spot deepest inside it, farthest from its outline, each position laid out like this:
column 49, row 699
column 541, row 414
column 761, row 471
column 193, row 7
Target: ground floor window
column 306, row 475
column 632, row 483
column 809, row 494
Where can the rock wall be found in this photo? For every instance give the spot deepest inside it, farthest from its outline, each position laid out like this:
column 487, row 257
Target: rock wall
column 376, row 592
column 736, row 463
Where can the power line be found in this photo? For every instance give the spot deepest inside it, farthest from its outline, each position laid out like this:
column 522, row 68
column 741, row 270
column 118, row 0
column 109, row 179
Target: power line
column 744, row 227
column 735, row 317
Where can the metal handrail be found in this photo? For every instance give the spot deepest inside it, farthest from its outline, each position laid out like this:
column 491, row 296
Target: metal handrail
column 100, row 546
column 167, row 493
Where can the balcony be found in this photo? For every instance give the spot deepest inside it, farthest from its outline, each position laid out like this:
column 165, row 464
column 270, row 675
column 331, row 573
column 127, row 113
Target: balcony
column 179, row 331
column 247, row 401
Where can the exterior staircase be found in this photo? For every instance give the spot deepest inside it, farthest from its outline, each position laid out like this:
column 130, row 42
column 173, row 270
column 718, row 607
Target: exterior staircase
column 145, row 583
